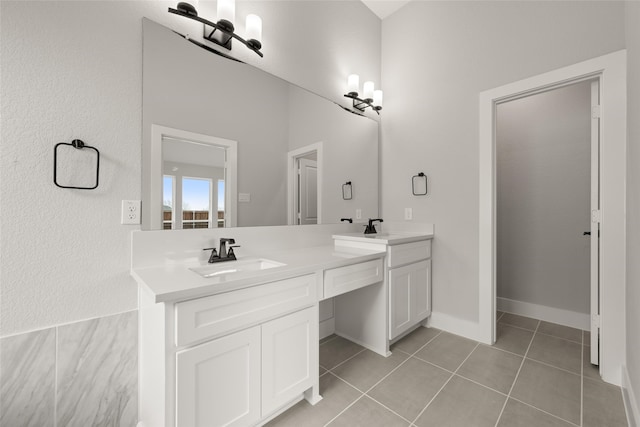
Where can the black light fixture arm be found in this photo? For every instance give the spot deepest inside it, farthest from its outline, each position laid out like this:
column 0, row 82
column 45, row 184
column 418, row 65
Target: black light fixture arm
column 253, row 45
column 362, row 104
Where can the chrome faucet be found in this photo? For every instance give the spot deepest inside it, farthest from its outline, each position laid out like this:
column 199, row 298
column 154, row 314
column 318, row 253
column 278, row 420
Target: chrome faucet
column 223, row 254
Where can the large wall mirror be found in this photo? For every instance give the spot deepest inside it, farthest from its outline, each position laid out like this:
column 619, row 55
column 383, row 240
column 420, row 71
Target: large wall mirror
column 226, row 144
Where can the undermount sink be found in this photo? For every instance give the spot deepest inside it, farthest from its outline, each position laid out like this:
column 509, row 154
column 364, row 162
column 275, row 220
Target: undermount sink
column 230, row 267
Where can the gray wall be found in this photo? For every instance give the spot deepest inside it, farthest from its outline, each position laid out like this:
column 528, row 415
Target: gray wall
column 543, row 145
column 436, row 58
column 633, row 200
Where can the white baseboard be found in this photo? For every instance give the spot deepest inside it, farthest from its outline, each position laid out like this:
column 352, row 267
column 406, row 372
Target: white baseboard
column 455, row 325
column 569, row 318
column 327, row 327
column 629, row 397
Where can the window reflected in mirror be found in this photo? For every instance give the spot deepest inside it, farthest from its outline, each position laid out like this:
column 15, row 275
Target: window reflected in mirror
column 193, row 185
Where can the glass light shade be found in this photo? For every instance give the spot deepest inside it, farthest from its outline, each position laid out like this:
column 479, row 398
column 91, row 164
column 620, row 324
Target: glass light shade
column 353, row 82
column 377, row 98
column 254, row 27
column 367, row 91
column 227, row 10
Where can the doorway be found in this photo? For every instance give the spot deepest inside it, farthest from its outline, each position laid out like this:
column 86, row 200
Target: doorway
column 193, row 179
column 305, row 185
column 610, row 69
column 547, row 170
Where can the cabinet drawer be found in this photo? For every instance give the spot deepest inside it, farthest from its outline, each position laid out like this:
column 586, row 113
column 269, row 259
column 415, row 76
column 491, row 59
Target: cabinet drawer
column 345, row 279
column 213, row 316
column 407, row 253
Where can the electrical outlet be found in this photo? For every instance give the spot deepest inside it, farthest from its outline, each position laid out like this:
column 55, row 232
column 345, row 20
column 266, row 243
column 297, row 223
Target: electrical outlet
column 408, row 214
column 130, row 212
column 358, row 213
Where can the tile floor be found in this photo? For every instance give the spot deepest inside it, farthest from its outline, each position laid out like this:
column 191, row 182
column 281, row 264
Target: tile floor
column 537, row 374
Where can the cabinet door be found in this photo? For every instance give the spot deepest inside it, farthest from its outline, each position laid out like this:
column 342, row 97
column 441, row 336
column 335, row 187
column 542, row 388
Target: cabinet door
column 289, row 358
column 421, row 291
column 409, row 296
column 218, row 383
column 399, row 300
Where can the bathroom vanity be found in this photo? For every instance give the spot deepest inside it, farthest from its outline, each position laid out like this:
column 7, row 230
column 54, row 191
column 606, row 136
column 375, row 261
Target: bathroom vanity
column 236, row 343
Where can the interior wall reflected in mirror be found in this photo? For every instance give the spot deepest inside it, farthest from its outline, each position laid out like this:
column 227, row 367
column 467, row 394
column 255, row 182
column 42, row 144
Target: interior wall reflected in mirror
column 189, row 89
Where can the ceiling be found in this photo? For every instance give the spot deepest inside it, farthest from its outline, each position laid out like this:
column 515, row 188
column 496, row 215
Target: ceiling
column 384, row 8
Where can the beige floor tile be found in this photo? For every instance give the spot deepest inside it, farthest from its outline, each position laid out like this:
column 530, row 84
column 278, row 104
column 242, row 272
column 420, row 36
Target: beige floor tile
column 367, row 413
column 518, row 414
column 367, row 368
column 519, row 321
column 557, row 352
column 560, row 331
column 336, row 351
column 586, row 336
column 588, row 370
column 321, row 370
column 493, row 368
column 328, row 338
column 550, row 389
column 513, row 339
column 447, row 351
column 336, row 396
column 603, row 405
column 410, row 387
column 462, row 403
column 416, row 339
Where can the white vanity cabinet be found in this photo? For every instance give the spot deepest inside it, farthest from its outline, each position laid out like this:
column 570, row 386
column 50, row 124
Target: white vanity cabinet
column 232, row 359
column 406, row 294
column 409, row 275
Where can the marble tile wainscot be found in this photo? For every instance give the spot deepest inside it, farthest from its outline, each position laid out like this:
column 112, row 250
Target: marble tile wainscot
column 78, row 374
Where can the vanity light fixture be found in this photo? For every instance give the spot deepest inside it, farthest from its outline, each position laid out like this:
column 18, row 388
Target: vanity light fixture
column 223, row 31
column 371, row 97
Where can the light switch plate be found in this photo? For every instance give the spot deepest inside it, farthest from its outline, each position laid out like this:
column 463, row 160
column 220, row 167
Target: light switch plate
column 358, row 213
column 244, row 197
column 408, row 214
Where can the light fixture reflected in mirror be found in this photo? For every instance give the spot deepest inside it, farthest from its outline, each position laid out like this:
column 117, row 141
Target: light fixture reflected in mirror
column 347, row 191
column 223, row 31
column 370, row 97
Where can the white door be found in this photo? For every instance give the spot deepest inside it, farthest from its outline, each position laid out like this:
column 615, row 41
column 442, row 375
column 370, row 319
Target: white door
column 307, row 191
column 218, row 383
column 287, row 358
column 595, row 222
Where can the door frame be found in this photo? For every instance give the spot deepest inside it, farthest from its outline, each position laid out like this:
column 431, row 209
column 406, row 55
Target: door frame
column 158, row 132
column 611, row 71
column 303, row 163
column 292, row 159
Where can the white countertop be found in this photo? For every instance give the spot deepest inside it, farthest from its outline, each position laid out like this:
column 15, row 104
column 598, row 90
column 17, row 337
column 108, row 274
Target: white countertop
column 175, row 281
column 384, row 238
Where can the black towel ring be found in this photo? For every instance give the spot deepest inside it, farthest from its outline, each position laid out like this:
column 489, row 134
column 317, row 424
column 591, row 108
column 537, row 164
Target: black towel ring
column 80, row 145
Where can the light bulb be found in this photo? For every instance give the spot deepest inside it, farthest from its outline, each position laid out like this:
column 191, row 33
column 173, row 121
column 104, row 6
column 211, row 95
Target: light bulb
column 367, row 91
column 254, row 27
column 353, row 81
column 377, row 98
column 227, row 10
